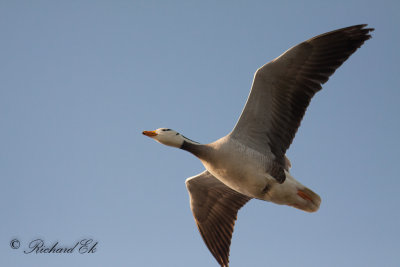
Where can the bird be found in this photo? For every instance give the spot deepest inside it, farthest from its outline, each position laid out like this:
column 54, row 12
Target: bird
column 250, row 162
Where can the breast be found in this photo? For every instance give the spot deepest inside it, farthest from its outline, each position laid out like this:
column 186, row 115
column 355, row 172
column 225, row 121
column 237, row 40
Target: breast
column 238, row 167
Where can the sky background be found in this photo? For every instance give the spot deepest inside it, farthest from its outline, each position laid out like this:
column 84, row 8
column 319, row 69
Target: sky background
column 81, row 80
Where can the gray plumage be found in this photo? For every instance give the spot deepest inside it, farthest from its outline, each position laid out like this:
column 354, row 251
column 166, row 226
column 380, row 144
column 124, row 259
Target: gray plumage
column 250, row 162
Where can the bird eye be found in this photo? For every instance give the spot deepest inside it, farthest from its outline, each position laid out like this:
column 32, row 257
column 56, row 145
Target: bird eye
column 164, row 130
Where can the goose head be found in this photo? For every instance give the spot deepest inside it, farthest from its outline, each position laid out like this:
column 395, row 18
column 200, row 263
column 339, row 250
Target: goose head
column 166, row 136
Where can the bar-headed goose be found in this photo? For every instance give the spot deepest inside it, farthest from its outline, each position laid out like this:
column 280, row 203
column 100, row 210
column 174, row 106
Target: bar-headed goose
column 250, row 162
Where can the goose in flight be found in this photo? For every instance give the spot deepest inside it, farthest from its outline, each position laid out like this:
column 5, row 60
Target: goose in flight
column 250, row 161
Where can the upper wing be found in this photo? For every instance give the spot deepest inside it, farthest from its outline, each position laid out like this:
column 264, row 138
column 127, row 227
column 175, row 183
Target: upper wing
column 283, row 88
column 215, row 207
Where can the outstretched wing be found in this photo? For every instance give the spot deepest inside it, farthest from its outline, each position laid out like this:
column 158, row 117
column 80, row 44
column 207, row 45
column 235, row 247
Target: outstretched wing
column 215, row 207
column 283, row 88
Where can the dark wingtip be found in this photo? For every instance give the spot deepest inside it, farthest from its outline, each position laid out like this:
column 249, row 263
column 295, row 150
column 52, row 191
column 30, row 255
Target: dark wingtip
column 366, row 31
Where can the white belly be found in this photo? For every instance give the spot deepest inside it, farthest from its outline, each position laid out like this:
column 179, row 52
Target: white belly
column 244, row 171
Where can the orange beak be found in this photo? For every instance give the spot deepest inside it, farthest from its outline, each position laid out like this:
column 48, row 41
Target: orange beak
column 304, row 195
column 149, row 133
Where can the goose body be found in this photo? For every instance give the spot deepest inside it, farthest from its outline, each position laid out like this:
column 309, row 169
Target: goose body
column 250, row 162
column 239, row 167
column 245, row 170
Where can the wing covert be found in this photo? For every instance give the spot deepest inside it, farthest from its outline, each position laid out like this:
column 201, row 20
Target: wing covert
column 282, row 90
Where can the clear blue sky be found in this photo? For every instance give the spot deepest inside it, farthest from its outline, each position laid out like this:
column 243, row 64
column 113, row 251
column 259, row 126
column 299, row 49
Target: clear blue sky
column 80, row 80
